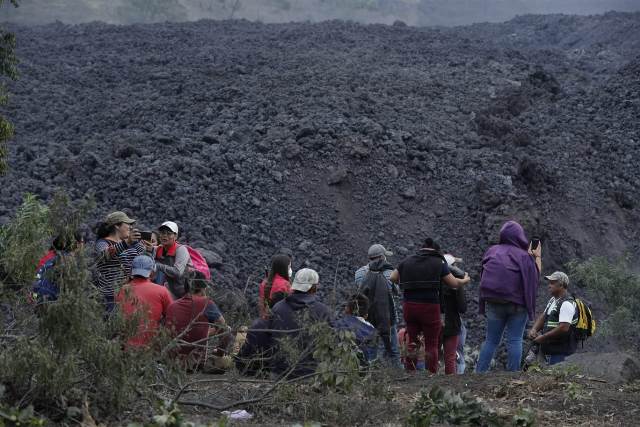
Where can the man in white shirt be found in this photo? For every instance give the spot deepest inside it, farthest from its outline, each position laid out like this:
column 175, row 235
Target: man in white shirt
column 552, row 330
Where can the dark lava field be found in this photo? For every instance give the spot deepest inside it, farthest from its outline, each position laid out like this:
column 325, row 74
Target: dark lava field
column 328, row 137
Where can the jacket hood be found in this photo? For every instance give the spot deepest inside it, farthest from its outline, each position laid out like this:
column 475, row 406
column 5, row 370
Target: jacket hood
column 299, row 300
column 512, row 234
column 380, row 265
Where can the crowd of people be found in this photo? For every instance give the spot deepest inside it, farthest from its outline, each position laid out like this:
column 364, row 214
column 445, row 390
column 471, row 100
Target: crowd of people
column 408, row 316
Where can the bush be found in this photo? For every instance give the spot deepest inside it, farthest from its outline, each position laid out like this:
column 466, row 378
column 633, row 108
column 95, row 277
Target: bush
column 614, row 285
column 70, row 354
column 23, row 241
column 442, row 406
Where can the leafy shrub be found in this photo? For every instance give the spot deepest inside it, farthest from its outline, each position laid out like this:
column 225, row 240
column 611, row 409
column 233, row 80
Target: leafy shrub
column 70, row 353
column 440, row 406
column 617, row 287
column 23, row 241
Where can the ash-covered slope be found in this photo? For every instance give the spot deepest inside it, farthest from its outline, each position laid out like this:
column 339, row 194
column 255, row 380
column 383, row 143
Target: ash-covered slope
column 328, row 137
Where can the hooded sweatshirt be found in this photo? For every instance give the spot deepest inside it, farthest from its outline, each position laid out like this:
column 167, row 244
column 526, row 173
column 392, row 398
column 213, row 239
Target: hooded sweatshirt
column 509, row 273
column 287, row 317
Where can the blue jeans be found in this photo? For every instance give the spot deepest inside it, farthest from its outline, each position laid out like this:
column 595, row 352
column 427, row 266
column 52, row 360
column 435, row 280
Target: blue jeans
column 552, row 359
column 513, row 318
column 462, row 337
column 394, row 357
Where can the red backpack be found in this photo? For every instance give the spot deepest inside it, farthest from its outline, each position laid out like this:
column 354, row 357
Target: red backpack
column 198, row 262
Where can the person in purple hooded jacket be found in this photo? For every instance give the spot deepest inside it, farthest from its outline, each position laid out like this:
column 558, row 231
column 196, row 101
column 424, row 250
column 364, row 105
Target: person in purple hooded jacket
column 508, row 287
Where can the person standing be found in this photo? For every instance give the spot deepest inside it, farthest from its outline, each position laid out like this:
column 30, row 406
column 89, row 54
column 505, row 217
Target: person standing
column 454, row 304
column 373, row 281
column 117, row 244
column 421, row 277
column 172, row 260
column 552, row 330
column 508, row 287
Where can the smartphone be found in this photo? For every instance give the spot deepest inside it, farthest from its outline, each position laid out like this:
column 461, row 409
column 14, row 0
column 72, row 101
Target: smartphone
column 146, row 235
column 535, row 242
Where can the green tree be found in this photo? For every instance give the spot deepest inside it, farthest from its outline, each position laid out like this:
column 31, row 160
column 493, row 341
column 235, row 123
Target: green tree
column 8, row 63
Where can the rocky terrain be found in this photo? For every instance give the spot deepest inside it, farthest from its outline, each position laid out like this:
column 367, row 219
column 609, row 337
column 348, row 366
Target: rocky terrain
column 328, row 137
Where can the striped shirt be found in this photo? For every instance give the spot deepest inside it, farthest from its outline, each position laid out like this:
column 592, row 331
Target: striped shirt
column 113, row 265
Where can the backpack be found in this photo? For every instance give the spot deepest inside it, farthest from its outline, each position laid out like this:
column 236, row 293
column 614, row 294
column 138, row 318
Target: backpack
column 585, row 327
column 44, row 289
column 198, row 262
column 381, row 310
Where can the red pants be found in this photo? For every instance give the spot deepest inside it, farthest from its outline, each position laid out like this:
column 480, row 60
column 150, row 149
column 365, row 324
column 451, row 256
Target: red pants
column 422, row 318
column 450, row 347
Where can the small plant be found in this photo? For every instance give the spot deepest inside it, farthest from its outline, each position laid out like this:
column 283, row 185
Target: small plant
column 440, row 406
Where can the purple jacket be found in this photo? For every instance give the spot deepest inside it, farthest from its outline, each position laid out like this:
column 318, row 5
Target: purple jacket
column 509, row 273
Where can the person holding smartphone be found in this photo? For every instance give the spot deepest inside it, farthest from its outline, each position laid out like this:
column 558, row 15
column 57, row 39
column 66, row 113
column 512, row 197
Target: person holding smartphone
column 508, row 289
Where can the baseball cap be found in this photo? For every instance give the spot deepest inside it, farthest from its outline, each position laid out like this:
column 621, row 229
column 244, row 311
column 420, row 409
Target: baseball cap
column 142, row 265
column 451, row 259
column 305, row 279
column 118, row 217
column 378, row 250
column 171, row 226
column 558, row 276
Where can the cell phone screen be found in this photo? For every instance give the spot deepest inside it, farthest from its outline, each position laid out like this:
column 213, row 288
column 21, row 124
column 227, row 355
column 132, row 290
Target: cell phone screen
column 145, row 235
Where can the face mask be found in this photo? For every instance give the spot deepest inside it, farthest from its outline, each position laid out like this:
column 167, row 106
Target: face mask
column 290, row 273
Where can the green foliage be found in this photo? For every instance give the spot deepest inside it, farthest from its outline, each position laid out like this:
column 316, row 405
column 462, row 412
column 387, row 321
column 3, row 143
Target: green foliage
column 335, row 351
column 614, row 284
column 440, row 406
column 8, row 63
column 71, row 354
column 132, row 11
column 24, row 240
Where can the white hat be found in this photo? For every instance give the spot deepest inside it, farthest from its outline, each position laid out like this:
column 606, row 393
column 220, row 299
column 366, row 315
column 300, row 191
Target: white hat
column 171, row 226
column 451, row 259
column 305, row 279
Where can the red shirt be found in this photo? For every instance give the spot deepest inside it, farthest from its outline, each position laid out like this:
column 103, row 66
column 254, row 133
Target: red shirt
column 194, row 312
column 280, row 284
column 142, row 295
column 49, row 255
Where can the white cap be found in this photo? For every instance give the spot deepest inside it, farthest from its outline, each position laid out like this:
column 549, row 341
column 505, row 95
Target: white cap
column 451, row 259
column 171, row 226
column 305, row 279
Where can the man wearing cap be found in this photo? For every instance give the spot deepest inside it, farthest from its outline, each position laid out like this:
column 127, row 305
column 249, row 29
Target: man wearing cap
column 552, row 330
column 382, row 304
column 287, row 314
column 172, row 259
column 143, row 296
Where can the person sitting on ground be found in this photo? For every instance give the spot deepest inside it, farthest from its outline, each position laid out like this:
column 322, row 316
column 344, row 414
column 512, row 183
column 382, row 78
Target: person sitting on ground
column 172, row 260
column 552, row 330
column 354, row 320
column 117, row 244
column 453, row 305
column 421, row 277
column 45, row 288
column 302, row 305
column 144, row 298
column 193, row 319
column 508, row 288
column 403, row 344
column 276, row 286
column 255, row 357
column 372, row 280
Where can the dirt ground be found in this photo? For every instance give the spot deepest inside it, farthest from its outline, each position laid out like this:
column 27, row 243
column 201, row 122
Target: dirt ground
column 557, row 398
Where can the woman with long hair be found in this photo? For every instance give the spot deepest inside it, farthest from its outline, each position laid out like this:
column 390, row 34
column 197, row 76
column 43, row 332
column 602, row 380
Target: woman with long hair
column 276, row 286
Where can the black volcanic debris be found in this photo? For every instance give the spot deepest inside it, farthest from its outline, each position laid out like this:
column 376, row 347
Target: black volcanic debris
column 328, row 137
